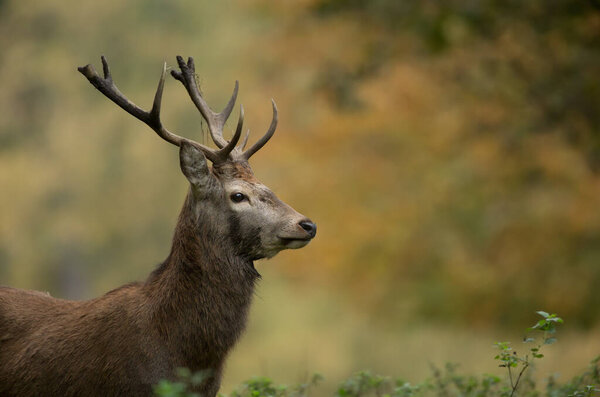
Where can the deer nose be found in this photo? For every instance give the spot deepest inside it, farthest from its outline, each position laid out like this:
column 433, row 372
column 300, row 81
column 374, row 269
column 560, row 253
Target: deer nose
column 309, row 227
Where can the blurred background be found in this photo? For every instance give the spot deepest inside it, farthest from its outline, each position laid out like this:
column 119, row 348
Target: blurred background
column 448, row 151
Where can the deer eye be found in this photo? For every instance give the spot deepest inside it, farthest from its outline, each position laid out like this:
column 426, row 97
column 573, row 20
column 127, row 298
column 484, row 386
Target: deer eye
column 238, row 197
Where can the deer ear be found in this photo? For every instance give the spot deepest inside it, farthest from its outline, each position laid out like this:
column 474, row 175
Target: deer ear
column 193, row 165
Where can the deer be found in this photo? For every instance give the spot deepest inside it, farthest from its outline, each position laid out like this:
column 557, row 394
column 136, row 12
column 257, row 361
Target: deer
column 193, row 307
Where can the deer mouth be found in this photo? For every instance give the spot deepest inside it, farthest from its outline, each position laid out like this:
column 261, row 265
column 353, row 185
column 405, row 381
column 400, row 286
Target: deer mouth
column 295, row 242
column 290, row 239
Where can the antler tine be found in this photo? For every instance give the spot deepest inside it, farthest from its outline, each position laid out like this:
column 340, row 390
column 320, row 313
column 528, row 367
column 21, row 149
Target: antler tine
column 152, row 118
column 238, row 129
column 224, row 152
column 216, row 121
column 265, row 138
column 242, row 145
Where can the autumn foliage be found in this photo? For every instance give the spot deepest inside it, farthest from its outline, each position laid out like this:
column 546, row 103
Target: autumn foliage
column 449, row 152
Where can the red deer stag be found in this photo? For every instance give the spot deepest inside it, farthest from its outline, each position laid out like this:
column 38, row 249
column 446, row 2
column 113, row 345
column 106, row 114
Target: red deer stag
column 192, row 309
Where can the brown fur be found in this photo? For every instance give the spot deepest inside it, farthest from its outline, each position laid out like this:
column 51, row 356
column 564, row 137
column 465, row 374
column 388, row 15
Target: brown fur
column 235, row 169
column 188, row 313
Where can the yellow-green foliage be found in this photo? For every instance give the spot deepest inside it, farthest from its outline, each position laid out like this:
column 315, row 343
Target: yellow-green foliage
column 448, row 153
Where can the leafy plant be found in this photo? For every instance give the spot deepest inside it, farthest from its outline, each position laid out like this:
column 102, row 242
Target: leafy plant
column 510, row 359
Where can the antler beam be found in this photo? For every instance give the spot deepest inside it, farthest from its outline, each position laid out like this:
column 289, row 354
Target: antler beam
column 216, row 121
column 107, row 87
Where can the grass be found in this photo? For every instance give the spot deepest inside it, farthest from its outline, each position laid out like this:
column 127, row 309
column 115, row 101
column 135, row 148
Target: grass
column 294, row 332
column 314, row 331
column 446, row 382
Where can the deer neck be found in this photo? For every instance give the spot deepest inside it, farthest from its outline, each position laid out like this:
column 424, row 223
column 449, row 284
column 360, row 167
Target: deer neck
column 202, row 293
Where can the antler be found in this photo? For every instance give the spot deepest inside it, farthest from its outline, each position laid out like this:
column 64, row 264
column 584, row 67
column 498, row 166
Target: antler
column 261, row 142
column 152, row 118
column 216, row 121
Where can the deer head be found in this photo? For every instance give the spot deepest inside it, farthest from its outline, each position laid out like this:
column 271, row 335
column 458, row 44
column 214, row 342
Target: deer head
column 227, row 195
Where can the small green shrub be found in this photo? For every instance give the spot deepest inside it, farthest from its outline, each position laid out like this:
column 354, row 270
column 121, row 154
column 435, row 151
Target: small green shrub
column 510, row 359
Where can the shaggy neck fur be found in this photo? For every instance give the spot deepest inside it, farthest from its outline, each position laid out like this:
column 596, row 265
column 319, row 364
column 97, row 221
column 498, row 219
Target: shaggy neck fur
column 202, row 292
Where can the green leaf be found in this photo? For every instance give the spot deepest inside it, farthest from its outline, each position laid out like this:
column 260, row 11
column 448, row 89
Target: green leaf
column 543, row 314
column 542, row 323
